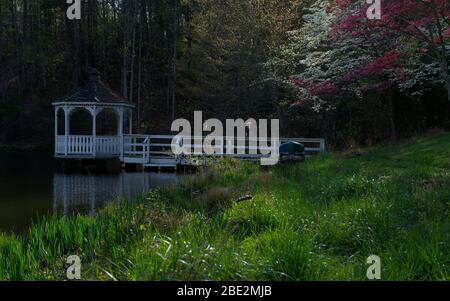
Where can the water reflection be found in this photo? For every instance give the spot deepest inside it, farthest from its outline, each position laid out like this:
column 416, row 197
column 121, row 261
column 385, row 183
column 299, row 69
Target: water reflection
column 86, row 194
column 31, row 187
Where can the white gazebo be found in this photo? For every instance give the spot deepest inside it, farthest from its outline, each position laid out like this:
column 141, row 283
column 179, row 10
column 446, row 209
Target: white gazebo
column 94, row 97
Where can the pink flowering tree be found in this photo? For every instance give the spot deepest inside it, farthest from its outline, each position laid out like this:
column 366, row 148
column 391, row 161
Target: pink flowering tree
column 340, row 54
column 316, row 62
column 331, row 66
column 423, row 25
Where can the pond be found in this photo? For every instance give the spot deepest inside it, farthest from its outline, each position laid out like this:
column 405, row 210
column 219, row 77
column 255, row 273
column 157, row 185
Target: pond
column 31, row 186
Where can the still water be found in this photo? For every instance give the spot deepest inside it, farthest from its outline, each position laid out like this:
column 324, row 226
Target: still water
column 30, row 187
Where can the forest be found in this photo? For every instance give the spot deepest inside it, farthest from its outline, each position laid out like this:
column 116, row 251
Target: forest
column 322, row 67
column 367, row 80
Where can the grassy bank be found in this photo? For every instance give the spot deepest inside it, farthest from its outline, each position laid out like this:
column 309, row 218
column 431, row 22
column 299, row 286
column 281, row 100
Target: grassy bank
column 318, row 220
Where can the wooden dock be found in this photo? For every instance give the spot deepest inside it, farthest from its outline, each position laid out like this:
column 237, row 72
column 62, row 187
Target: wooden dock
column 155, row 151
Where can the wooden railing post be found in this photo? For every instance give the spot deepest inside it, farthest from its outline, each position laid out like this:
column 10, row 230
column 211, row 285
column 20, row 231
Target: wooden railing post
column 322, row 146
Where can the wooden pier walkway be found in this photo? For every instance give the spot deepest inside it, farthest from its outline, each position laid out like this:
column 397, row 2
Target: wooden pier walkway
column 156, row 150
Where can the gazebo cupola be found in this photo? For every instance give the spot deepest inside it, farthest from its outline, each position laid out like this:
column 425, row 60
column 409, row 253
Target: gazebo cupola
column 95, row 98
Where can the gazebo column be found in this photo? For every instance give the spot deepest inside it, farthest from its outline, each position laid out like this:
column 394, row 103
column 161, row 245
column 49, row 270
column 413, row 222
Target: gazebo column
column 94, row 130
column 56, row 129
column 130, row 122
column 120, row 131
column 67, row 111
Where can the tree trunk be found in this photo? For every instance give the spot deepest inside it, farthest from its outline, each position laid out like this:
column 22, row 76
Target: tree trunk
column 174, row 58
column 391, row 115
column 443, row 58
column 443, row 63
column 125, row 20
column 41, row 52
column 138, row 119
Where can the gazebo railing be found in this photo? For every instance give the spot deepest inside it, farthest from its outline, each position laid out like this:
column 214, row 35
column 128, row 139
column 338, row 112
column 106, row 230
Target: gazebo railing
column 80, row 145
column 84, row 145
column 108, row 145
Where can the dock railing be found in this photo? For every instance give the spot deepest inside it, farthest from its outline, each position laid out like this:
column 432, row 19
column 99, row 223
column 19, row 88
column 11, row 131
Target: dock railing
column 228, row 146
column 136, row 149
column 140, row 149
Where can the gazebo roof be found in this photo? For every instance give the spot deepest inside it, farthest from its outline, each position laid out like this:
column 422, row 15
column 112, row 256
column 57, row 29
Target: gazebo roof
column 95, row 92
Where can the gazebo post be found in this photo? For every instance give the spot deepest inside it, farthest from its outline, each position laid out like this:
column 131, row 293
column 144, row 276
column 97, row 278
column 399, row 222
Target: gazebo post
column 130, row 124
column 94, row 131
column 66, row 129
column 120, row 131
column 56, row 129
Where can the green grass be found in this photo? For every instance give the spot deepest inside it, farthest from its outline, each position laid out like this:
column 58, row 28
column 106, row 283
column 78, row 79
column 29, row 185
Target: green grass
column 318, row 220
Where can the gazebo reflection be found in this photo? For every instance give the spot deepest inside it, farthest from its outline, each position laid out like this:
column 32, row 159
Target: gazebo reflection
column 86, row 194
